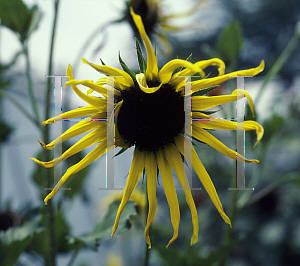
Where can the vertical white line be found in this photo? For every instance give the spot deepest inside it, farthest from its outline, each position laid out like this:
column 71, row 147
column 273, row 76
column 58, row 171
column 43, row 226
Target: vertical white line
column 57, row 128
column 110, row 166
column 240, row 138
column 110, row 154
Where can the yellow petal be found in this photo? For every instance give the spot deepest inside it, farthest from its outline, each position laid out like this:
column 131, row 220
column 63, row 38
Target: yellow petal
column 141, row 80
column 95, row 87
column 205, row 83
column 209, row 139
column 88, row 140
column 97, row 102
column 79, row 112
column 179, row 83
column 205, row 102
column 167, row 179
column 174, row 159
column 136, row 169
column 89, row 158
column 151, row 170
column 199, row 115
column 202, row 174
column 86, row 125
column 126, row 80
column 230, row 125
column 165, row 73
column 152, row 69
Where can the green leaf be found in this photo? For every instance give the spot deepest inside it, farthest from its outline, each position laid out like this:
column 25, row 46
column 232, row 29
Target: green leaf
column 5, row 131
column 181, row 68
column 14, row 240
column 141, row 59
column 75, row 182
column 190, row 256
column 104, row 227
column 126, row 68
column 230, row 42
column 204, row 91
column 16, row 16
column 121, row 151
column 102, row 62
column 271, row 127
column 36, row 16
column 39, row 243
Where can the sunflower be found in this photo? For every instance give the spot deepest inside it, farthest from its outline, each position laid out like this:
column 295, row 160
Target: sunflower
column 155, row 21
column 149, row 115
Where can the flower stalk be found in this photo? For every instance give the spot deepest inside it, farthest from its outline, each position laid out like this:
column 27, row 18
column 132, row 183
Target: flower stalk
column 50, row 260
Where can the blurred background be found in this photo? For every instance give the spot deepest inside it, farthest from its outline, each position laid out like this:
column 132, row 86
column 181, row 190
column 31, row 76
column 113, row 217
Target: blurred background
column 40, row 38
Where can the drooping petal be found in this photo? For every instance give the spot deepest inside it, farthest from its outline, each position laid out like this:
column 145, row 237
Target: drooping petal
column 152, row 69
column 230, row 125
column 136, row 169
column 178, row 82
column 84, row 126
column 205, row 83
column 205, row 102
column 151, row 170
column 97, row 102
column 125, row 81
column 88, row 140
column 95, row 87
column 202, row 174
column 89, row 158
column 174, row 159
column 141, row 80
column 202, row 135
column 175, row 81
column 165, row 73
column 170, row 192
column 79, row 112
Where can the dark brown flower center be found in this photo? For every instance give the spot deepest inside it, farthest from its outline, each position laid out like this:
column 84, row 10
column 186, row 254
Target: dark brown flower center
column 151, row 120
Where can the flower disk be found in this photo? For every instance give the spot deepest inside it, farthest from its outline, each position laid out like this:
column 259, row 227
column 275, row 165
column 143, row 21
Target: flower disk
column 151, row 120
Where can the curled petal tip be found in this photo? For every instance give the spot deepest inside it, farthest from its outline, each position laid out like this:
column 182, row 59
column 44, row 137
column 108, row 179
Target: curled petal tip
column 43, row 144
column 84, row 60
column 261, row 66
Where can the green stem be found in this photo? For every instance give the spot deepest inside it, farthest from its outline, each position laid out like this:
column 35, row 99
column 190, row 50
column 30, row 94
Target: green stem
column 51, row 256
column 232, row 213
column 89, row 41
column 20, row 107
column 29, row 81
column 281, row 60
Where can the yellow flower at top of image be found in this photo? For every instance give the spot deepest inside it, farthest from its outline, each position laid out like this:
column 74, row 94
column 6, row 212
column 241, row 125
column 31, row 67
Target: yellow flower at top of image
column 155, row 21
column 149, row 116
column 137, row 196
